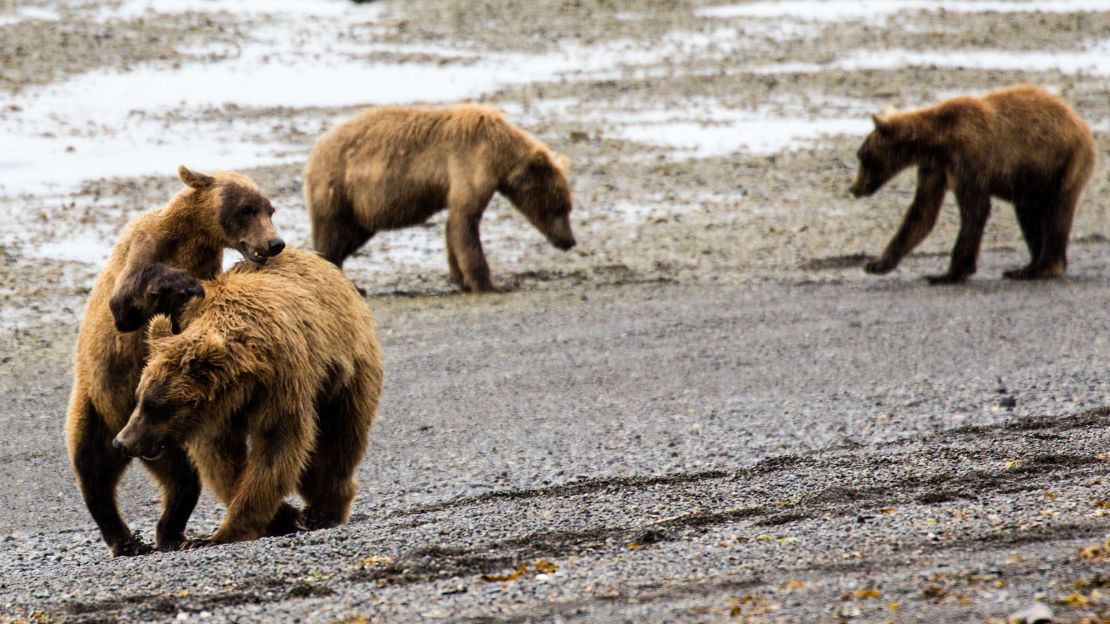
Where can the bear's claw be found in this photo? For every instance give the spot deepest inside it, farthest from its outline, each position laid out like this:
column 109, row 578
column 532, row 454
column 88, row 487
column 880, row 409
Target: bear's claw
column 197, row 543
column 879, row 266
column 947, row 278
column 1031, row 273
column 133, row 546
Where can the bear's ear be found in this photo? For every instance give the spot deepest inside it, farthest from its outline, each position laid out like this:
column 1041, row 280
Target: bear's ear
column 206, row 359
column 195, row 179
column 562, row 161
column 539, row 159
column 160, row 327
column 882, row 121
column 212, row 348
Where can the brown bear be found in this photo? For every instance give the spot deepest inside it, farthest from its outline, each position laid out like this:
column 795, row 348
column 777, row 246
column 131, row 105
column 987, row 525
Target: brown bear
column 272, row 385
column 152, row 269
column 1019, row 144
column 395, row 167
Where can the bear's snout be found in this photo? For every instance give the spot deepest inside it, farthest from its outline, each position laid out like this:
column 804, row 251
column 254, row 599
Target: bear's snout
column 566, row 244
column 122, row 448
column 863, row 188
column 153, row 452
column 274, row 246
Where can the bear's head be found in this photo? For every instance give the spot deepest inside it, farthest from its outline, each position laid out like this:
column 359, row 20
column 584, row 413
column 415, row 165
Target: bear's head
column 885, row 153
column 183, row 382
column 243, row 213
column 538, row 187
column 156, row 289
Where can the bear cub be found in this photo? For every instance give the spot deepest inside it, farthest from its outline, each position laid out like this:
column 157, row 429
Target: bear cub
column 394, row 167
column 153, row 269
column 1019, row 144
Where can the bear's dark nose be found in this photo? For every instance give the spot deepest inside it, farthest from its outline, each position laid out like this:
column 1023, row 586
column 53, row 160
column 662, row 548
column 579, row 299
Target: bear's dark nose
column 274, row 246
column 116, row 444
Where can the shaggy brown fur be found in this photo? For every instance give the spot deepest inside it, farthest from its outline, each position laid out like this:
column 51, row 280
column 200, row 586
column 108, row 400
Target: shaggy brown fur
column 390, row 168
column 272, row 386
column 151, row 269
column 1019, row 144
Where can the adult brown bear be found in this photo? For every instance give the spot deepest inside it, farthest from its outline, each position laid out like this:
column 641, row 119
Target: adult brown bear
column 390, row 168
column 272, row 385
column 1020, row 144
column 153, row 268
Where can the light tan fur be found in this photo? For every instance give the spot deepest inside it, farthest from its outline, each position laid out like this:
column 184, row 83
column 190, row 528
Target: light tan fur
column 186, row 236
column 395, row 167
column 1020, row 144
column 284, row 356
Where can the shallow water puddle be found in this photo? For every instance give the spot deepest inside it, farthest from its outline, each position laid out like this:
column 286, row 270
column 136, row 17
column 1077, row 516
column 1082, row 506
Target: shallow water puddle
column 150, row 119
column 844, row 10
column 23, row 14
column 707, row 129
column 745, row 132
column 326, row 8
column 1093, row 60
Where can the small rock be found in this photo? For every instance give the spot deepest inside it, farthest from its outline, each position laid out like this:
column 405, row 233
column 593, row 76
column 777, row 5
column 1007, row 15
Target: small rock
column 1039, row 613
column 1008, row 402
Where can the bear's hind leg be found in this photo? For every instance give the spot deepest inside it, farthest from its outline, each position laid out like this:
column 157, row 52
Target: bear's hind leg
column 98, row 468
column 328, row 483
column 1032, row 215
column 180, row 492
column 1058, row 220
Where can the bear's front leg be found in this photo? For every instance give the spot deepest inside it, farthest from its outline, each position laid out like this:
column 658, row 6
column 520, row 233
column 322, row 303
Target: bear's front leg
column 278, row 454
column 918, row 222
column 454, row 274
column 180, row 492
column 464, row 242
column 286, row 521
column 975, row 208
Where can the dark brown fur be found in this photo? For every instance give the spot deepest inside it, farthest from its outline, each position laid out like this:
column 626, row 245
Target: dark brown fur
column 1019, row 144
column 152, row 269
column 271, row 387
column 391, row 168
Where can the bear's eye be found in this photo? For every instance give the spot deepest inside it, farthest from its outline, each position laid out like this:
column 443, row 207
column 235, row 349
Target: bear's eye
column 157, row 410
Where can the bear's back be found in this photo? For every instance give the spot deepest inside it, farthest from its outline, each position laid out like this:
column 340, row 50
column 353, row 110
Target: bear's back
column 297, row 308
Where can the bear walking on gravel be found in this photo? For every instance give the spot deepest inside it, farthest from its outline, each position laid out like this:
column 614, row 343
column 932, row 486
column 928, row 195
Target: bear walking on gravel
column 152, row 269
column 1020, row 144
column 390, row 168
column 272, row 386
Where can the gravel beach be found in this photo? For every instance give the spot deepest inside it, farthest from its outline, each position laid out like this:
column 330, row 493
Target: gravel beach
column 704, row 412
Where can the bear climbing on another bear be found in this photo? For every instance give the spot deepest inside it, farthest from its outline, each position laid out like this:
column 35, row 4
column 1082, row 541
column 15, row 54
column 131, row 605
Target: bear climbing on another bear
column 153, row 269
column 1019, row 144
column 390, row 168
column 272, row 386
